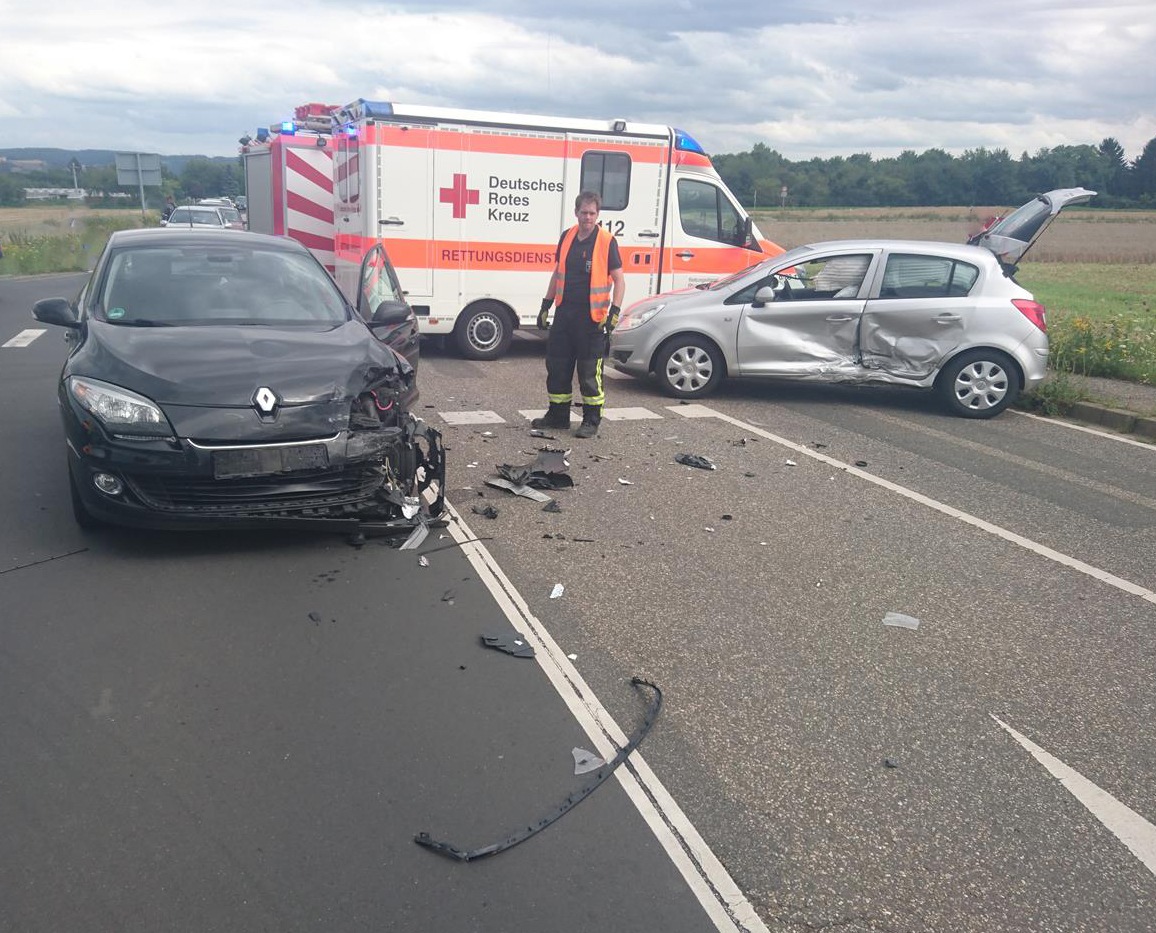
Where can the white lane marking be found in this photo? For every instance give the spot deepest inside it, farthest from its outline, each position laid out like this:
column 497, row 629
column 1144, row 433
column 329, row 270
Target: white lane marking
column 629, row 414
column 1079, row 427
column 471, row 417
column 702, row 411
column 24, row 338
column 710, row 882
column 1124, row 823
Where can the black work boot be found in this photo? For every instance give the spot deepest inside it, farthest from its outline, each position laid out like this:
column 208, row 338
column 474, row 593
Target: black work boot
column 591, row 418
column 558, row 416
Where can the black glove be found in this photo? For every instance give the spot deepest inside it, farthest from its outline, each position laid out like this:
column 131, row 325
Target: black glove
column 544, row 314
column 611, row 321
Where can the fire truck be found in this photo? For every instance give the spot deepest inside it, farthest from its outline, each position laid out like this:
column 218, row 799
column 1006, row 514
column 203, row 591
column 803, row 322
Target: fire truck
column 470, row 206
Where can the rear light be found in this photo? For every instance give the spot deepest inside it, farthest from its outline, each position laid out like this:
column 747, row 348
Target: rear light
column 1033, row 311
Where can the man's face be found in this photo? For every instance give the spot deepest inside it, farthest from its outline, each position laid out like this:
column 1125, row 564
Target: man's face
column 587, row 215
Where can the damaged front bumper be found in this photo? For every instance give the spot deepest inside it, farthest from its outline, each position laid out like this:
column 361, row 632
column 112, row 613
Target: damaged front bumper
column 381, row 480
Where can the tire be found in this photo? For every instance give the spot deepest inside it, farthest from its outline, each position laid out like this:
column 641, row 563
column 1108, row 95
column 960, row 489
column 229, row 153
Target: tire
column 84, row 518
column 484, row 331
column 688, row 367
column 979, row 384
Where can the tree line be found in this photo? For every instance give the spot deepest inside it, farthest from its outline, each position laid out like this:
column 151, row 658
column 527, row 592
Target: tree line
column 201, row 177
column 763, row 178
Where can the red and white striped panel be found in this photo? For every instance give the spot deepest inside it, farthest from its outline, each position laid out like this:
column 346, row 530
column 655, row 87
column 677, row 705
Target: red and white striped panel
column 303, row 207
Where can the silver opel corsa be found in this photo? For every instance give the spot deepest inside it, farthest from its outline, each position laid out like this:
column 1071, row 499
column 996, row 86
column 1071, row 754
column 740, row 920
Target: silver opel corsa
column 942, row 316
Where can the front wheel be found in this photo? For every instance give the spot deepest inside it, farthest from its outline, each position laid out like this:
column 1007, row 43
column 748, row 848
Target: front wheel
column 979, row 384
column 484, row 331
column 688, row 367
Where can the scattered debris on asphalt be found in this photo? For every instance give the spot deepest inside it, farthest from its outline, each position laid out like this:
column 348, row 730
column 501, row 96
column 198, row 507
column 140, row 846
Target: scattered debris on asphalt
column 536, row 826
column 899, row 620
column 791, row 463
column 585, row 762
column 694, row 460
column 860, row 463
column 422, row 560
column 624, row 482
column 538, row 432
column 487, row 511
column 518, row 489
column 558, row 590
column 448, row 597
column 511, row 643
column 890, row 763
column 552, row 506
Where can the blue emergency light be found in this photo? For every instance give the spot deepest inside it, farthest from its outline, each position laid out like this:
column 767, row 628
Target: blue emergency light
column 262, row 134
column 288, row 128
column 684, row 141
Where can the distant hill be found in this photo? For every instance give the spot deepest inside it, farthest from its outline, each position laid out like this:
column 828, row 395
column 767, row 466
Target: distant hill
column 59, row 158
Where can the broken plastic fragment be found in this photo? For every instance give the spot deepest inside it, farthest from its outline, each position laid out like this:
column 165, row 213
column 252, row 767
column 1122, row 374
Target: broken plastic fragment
column 624, row 482
column 417, row 536
column 572, row 657
column 791, row 463
column 552, row 506
column 890, row 763
column 585, row 762
column 899, row 620
column 489, row 434
column 694, row 460
column 708, row 528
column 509, row 642
column 538, row 432
column 557, row 591
column 518, row 489
column 448, row 597
column 488, row 511
column 410, row 506
column 860, row 463
column 423, row 561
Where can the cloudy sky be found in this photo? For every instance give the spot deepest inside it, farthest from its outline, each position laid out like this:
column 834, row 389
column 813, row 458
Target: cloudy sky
column 822, row 77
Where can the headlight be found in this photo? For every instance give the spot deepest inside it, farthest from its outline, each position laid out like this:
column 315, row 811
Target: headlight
column 122, row 412
column 636, row 317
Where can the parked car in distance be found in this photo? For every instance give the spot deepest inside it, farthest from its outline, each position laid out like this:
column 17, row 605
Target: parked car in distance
column 203, row 215
column 942, row 316
column 218, row 378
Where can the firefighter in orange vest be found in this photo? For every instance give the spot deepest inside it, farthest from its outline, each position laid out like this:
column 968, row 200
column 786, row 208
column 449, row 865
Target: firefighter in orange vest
column 588, row 270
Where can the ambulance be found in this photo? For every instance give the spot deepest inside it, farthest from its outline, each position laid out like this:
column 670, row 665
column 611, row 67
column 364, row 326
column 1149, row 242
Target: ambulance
column 289, row 181
column 470, row 206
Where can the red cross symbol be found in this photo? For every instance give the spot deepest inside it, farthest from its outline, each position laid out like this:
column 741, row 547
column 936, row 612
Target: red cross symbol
column 459, row 196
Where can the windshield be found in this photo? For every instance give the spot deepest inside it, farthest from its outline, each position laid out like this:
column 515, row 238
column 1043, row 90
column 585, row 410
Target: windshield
column 208, row 284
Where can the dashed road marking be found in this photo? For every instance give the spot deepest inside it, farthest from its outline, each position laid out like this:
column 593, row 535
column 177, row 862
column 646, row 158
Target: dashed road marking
column 1124, row 823
column 629, row 414
column 471, row 417
column 24, row 338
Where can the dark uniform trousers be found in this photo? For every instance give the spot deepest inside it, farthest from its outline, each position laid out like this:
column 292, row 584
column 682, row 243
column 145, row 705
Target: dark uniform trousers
column 575, row 342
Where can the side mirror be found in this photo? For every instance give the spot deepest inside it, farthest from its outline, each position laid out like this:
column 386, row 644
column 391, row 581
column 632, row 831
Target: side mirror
column 391, row 312
column 763, row 296
column 55, row 311
column 748, row 227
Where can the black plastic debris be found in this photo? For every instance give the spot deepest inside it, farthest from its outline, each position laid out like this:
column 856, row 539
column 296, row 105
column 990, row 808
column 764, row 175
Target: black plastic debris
column 448, row 597
column 890, row 763
column 533, row 828
column 860, row 463
column 727, row 518
column 818, row 445
column 487, row 511
column 552, row 506
column 315, row 617
column 538, row 432
column 694, row 460
column 511, row 643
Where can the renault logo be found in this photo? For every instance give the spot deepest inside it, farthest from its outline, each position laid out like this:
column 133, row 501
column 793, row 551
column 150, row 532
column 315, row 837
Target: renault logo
column 265, row 400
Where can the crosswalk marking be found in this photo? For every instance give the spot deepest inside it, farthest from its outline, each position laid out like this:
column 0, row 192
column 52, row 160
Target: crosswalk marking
column 629, row 414
column 24, row 338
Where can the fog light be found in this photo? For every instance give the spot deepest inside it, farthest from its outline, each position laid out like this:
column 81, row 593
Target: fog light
column 108, row 484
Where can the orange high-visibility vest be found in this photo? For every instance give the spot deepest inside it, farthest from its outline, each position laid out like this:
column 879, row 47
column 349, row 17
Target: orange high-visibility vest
column 600, row 283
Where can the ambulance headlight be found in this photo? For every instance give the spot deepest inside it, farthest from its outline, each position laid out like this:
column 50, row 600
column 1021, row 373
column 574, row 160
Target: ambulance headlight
column 639, row 315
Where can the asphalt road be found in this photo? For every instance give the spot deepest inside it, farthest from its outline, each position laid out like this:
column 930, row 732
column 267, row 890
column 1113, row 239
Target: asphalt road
column 190, row 740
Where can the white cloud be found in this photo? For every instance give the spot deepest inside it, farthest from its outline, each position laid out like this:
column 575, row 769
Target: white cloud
column 825, row 77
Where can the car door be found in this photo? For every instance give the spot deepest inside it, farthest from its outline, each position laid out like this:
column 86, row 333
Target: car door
column 382, row 304
column 1011, row 237
column 708, row 235
column 810, row 326
column 920, row 314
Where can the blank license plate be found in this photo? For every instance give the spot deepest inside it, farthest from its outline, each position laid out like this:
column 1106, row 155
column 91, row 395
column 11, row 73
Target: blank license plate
column 264, row 461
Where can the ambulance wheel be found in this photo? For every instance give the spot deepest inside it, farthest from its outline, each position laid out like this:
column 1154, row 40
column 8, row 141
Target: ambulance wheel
column 484, row 331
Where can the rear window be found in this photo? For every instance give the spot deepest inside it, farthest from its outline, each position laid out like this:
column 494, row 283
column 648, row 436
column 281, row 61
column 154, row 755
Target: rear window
column 911, row 276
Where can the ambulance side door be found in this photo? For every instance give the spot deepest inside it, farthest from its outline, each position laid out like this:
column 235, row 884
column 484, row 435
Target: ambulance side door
column 707, row 234
column 629, row 175
column 400, row 206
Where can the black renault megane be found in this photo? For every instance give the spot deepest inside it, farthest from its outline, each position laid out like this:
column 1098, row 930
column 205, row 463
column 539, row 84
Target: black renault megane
column 221, row 378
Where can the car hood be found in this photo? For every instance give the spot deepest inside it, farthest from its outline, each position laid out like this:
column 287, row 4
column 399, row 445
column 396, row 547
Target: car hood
column 222, row 366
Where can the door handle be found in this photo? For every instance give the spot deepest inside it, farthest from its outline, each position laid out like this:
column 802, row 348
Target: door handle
column 649, row 234
column 685, row 254
column 839, row 318
column 948, row 318
column 391, row 222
